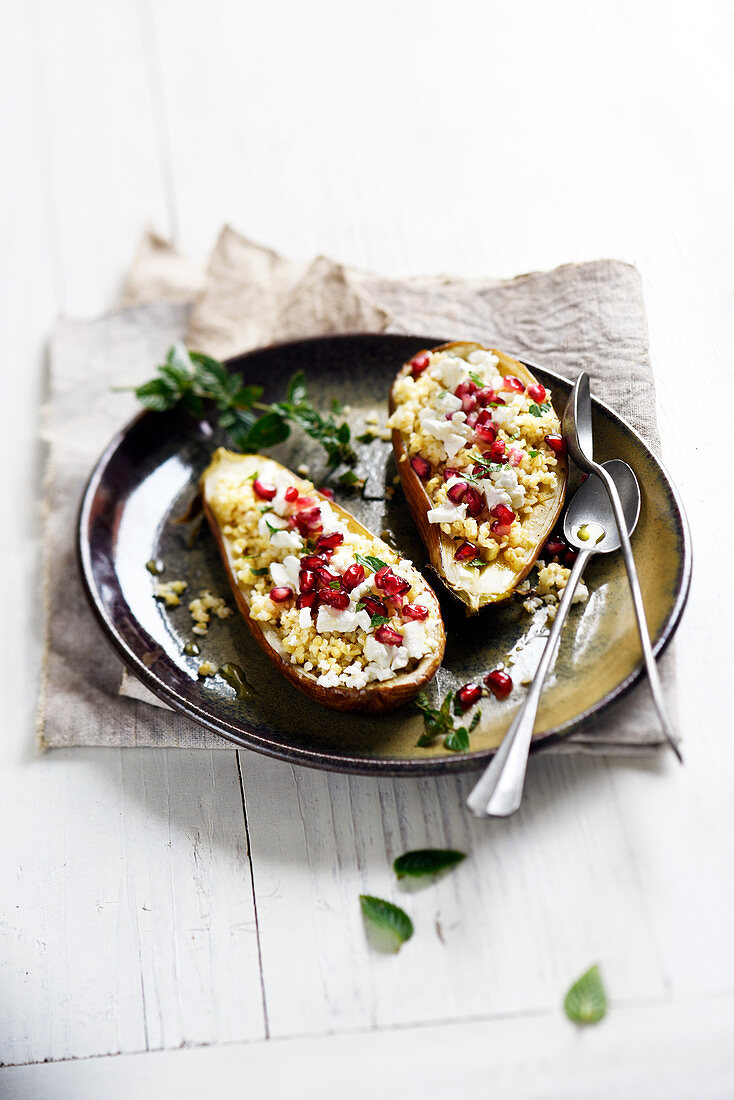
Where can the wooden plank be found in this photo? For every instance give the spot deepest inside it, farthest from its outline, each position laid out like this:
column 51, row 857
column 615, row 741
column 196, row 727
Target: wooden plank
column 659, row 1051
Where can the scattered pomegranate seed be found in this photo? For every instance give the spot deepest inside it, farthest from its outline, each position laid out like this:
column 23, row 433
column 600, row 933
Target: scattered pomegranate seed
column 450, row 472
column 514, row 456
column 536, row 392
column 327, row 575
column 484, row 416
column 464, row 388
column 486, row 396
column 395, row 586
column 499, row 530
column 312, row 561
column 468, row 695
column 471, row 419
column 307, row 599
column 307, row 580
column 554, row 547
column 335, row 598
column 387, row 635
column 497, row 451
column 374, row 606
column 291, row 494
column 556, row 443
column 486, row 432
column 480, row 471
column 281, row 594
column 499, row 683
column 509, row 382
column 505, row 515
column 308, row 520
column 305, row 502
column 419, row 363
column 380, row 576
column 263, row 489
column 467, row 552
column 468, row 402
column 353, row 576
column 327, row 492
column 456, row 492
column 421, row 466
column 474, row 502
column 329, row 542
column 415, row 612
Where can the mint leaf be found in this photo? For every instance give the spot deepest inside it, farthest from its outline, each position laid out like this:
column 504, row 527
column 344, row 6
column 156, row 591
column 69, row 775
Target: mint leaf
column 475, row 721
column 457, row 740
column 157, row 395
column 533, row 454
column 386, row 917
column 426, row 861
column 378, row 620
column 260, row 572
column 538, row 410
column 366, row 437
column 267, row 431
column 297, row 388
column 350, row 479
column 370, row 562
column 586, row 1000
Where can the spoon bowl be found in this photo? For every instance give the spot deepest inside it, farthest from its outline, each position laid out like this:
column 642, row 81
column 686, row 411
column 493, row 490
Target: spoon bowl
column 591, row 505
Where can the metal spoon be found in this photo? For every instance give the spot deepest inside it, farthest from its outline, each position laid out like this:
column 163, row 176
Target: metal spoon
column 578, row 433
column 589, row 526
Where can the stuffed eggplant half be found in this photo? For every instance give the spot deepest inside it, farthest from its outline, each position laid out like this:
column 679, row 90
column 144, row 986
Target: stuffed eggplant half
column 342, row 616
column 482, row 463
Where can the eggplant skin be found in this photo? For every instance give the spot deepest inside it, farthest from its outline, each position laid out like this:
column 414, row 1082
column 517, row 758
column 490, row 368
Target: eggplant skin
column 476, row 590
column 374, row 697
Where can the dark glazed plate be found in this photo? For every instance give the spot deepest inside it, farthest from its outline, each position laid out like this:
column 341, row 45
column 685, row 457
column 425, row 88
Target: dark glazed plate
column 148, row 476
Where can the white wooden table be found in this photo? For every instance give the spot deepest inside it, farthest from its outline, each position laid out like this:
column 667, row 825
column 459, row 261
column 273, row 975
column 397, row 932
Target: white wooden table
column 152, row 901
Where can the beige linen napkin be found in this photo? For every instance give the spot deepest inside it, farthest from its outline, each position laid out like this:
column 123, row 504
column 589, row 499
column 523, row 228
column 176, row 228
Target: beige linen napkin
column 580, row 316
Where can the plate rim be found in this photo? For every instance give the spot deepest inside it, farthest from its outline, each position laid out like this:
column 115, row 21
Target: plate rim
column 326, row 759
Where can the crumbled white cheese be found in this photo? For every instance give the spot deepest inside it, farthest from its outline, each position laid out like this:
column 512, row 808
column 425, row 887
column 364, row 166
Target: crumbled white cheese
column 330, row 620
column 446, row 513
column 287, row 540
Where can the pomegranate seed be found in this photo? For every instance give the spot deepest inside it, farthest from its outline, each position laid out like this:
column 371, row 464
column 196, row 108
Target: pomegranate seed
column 421, row 466
column 471, row 419
column 415, row 612
column 387, row 635
column 281, row 594
column 536, row 392
column 337, row 599
column 353, row 576
column 480, row 471
column 468, row 402
column 467, row 552
column 263, row 489
column 514, row 456
column 499, row 683
column 395, row 586
column 307, row 580
column 328, row 542
column 397, row 602
column 327, row 492
column 380, row 576
column 554, row 547
column 499, row 530
column 488, row 396
column 312, row 561
column 468, row 695
column 374, row 606
column 509, row 382
column 484, row 416
column 308, row 520
column 450, row 472
column 497, row 451
column 305, row 502
column 486, row 432
column 474, row 502
column 307, row 599
column 505, row 515
column 327, row 575
column 457, row 491
column 291, row 494
column 465, row 388
column 419, row 363
column 570, row 557
column 556, row 443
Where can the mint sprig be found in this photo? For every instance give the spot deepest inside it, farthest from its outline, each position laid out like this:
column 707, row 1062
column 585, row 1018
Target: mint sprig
column 438, row 722
column 188, row 379
column 386, row 917
column 586, row 1000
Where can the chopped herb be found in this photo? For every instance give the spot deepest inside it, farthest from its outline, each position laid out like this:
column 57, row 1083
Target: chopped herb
column 191, row 649
column 265, row 507
column 367, row 437
column 335, row 584
column 475, row 721
column 378, row 620
column 350, row 479
column 476, row 378
column 457, row 740
column 272, row 528
column 260, row 572
column 254, row 477
column 155, row 566
column 188, row 379
column 586, row 1000
column 426, row 861
column 375, row 564
column 533, row 454
column 386, row 917
column 443, row 393
column 538, row 410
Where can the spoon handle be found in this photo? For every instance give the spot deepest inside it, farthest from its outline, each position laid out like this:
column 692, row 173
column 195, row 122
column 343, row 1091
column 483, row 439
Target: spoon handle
column 629, row 561
column 499, row 791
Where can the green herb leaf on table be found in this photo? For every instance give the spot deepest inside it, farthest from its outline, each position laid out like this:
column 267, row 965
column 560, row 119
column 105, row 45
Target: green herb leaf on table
column 426, row 861
column 366, row 437
column 457, row 740
column 586, row 1000
column 475, row 721
column 386, row 917
column 350, row 480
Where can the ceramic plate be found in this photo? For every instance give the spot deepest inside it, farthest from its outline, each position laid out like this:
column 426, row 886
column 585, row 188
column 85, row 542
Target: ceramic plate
column 148, row 476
